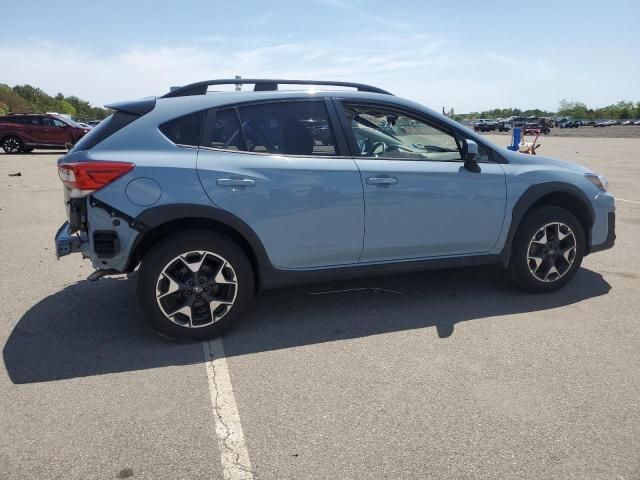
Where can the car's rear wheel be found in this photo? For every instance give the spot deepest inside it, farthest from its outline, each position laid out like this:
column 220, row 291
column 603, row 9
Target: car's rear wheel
column 194, row 285
column 12, row 144
column 547, row 250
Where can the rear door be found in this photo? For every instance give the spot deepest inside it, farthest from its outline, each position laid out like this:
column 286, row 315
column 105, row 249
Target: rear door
column 277, row 167
column 420, row 200
column 32, row 129
column 55, row 131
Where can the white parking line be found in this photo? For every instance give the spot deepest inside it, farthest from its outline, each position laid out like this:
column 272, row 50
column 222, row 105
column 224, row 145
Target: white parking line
column 628, row 201
column 233, row 451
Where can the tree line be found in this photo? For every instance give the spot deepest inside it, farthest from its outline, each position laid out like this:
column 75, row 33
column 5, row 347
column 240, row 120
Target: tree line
column 28, row 99
column 618, row 111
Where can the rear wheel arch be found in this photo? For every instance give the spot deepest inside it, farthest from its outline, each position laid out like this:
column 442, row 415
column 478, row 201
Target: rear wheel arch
column 165, row 221
column 555, row 194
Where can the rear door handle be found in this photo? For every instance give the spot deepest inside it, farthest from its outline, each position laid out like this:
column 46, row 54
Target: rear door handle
column 235, row 182
column 382, row 181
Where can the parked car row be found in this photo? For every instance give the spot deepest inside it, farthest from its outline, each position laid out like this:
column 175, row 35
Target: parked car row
column 609, row 123
column 593, row 123
column 487, row 125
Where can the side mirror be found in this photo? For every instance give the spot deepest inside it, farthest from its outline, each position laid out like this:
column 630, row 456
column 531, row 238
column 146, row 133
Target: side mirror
column 470, row 151
column 470, row 155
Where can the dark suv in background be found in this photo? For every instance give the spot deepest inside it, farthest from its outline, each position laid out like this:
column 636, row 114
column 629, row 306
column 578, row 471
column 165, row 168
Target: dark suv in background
column 22, row 132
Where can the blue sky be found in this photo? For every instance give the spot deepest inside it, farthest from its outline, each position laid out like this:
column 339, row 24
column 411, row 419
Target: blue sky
column 468, row 55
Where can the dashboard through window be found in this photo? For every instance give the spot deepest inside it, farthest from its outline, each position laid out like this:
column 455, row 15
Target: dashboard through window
column 384, row 133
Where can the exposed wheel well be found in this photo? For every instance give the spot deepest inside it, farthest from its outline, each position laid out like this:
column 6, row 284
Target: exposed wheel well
column 152, row 237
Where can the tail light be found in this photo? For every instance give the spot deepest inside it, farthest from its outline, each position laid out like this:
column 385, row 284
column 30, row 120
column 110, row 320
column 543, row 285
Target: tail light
column 90, row 176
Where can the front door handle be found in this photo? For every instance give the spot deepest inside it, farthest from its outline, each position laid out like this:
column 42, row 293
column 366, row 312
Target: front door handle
column 235, row 182
column 382, row 181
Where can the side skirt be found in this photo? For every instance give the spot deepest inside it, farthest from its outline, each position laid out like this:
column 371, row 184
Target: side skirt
column 276, row 278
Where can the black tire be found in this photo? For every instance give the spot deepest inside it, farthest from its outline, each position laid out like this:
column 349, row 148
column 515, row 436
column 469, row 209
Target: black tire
column 12, row 144
column 519, row 264
column 149, row 278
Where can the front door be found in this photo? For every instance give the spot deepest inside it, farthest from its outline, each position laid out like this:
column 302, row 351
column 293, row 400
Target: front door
column 420, row 200
column 281, row 175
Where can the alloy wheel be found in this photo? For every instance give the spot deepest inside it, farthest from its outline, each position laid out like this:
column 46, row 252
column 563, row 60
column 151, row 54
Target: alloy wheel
column 196, row 289
column 552, row 252
column 11, row 145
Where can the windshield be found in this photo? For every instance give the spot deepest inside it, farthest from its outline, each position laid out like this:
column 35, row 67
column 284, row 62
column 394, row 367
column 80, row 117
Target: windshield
column 68, row 121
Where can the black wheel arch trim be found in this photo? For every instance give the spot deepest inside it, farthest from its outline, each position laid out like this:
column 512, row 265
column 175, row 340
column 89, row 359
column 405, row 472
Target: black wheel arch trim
column 155, row 217
column 535, row 193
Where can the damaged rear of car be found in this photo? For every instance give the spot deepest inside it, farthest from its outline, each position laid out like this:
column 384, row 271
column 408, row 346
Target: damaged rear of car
column 93, row 227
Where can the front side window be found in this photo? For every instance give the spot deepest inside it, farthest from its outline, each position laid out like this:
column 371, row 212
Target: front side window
column 288, row 128
column 383, row 133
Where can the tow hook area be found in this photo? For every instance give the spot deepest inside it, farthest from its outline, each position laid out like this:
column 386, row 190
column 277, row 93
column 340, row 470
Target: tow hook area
column 66, row 243
column 98, row 274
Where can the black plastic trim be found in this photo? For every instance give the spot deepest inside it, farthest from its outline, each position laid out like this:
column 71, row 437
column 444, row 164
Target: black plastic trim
column 155, row 217
column 262, row 84
column 108, row 238
column 530, row 197
column 611, row 235
column 114, row 212
column 276, row 278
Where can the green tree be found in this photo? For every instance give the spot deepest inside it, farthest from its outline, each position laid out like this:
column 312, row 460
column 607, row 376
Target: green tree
column 66, row 107
column 13, row 101
column 572, row 109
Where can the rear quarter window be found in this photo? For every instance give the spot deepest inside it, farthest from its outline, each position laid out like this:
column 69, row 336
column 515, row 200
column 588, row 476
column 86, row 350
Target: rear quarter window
column 184, row 130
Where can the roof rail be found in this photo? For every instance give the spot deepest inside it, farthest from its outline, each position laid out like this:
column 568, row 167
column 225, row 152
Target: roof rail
column 261, row 84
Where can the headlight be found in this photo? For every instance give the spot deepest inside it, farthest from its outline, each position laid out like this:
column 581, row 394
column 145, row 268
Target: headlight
column 598, row 180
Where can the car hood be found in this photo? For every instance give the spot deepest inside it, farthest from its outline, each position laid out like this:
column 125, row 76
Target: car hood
column 554, row 162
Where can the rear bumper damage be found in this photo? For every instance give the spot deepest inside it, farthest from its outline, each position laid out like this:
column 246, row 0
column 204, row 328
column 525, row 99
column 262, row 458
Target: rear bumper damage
column 66, row 242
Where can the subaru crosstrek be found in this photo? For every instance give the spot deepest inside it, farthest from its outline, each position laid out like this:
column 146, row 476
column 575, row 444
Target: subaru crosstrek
column 214, row 196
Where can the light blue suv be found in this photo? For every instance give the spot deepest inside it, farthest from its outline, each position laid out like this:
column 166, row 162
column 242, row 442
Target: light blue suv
column 214, row 196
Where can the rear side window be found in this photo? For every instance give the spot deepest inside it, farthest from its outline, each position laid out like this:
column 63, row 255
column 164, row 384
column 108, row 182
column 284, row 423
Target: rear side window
column 104, row 129
column 184, row 130
column 31, row 120
column 224, row 131
column 288, row 128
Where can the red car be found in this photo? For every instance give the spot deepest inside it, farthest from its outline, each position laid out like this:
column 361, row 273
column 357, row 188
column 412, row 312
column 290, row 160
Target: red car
column 22, row 132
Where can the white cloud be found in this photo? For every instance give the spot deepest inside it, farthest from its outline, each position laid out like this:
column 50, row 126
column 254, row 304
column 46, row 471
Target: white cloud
column 434, row 71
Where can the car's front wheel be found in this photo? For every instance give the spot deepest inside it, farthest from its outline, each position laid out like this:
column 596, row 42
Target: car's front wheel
column 195, row 284
column 547, row 250
column 12, row 144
